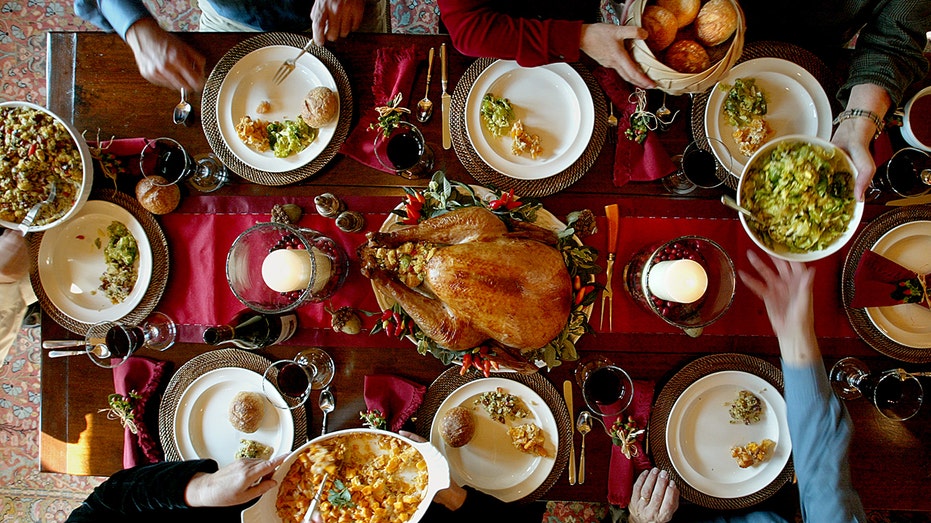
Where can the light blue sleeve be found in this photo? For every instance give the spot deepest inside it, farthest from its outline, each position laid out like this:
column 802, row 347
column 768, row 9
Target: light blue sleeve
column 111, row 15
column 820, row 429
column 751, row 517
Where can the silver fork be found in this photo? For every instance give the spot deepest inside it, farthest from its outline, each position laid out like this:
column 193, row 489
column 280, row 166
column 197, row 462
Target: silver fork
column 31, row 215
column 285, row 69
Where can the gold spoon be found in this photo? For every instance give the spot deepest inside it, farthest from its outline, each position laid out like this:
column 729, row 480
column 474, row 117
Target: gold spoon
column 425, row 106
column 584, row 426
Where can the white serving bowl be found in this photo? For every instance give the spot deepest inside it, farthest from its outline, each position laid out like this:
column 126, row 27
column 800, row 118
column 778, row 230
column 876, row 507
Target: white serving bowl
column 781, row 251
column 86, row 160
column 909, row 120
column 264, row 511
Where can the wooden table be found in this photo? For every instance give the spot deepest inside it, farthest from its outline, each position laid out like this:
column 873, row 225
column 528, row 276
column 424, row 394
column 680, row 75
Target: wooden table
column 93, row 81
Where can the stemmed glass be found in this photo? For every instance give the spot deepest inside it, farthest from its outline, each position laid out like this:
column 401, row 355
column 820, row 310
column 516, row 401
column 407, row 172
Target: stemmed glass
column 292, row 380
column 907, row 174
column 897, row 394
column 110, row 343
column 606, row 388
column 698, row 167
column 167, row 158
column 404, row 151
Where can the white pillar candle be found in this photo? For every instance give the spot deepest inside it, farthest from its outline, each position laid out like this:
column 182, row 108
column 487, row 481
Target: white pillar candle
column 286, row 270
column 681, row 281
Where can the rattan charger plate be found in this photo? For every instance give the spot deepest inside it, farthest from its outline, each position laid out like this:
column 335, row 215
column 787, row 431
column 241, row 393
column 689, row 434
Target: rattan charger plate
column 667, row 398
column 160, row 264
column 859, row 320
column 197, row 367
column 785, row 51
column 450, row 380
column 488, row 176
column 212, row 90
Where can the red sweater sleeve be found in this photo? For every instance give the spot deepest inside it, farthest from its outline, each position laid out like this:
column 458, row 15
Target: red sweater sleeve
column 477, row 29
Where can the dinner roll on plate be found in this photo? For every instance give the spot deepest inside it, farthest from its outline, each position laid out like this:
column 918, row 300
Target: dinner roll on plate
column 320, row 107
column 458, row 427
column 246, row 411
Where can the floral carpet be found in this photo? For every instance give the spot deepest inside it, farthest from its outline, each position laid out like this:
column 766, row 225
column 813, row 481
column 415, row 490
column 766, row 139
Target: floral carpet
column 26, row 495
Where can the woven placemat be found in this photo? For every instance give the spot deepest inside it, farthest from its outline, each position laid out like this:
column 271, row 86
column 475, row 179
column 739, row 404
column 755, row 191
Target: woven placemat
column 450, row 380
column 667, row 398
column 160, row 263
column 535, row 188
column 211, row 124
column 197, row 367
column 785, row 51
column 859, row 320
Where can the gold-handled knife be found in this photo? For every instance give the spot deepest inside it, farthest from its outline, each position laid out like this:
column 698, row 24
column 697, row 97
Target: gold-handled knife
column 607, row 295
column 445, row 99
column 567, row 394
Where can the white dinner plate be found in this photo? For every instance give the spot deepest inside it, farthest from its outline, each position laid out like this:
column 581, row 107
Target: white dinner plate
column 552, row 101
column 699, row 435
column 249, row 83
column 795, row 101
column 201, row 427
column 71, row 263
column 909, row 245
column 490, row 462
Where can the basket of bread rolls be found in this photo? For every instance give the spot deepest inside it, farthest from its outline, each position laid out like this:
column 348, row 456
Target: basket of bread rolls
column 691, row 43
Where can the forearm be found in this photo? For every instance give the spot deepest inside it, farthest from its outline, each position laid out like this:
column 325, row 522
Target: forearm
column 112, row 15
column 820, row 429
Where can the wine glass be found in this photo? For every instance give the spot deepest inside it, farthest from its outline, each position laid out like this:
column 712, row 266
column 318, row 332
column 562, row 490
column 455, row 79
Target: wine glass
column 897, row 394
column 209, row 173
column 907, row 174
column 110, row 343
column 698, row 167
column 404, row 151
column 167, row 158
column 606, row 388
column 292, row 380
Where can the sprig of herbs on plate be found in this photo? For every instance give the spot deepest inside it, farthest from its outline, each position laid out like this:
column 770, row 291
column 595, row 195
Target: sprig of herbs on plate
column 442, row 196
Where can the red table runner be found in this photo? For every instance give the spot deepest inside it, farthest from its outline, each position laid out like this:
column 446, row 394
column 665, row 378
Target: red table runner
column 202, row 230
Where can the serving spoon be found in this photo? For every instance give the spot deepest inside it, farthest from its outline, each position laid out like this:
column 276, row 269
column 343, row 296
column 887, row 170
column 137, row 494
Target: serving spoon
column 183, row 109
column 728, row 201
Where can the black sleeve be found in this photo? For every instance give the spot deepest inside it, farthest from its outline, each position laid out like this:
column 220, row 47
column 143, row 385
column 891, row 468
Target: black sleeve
column 479, row 507
column 148, row 489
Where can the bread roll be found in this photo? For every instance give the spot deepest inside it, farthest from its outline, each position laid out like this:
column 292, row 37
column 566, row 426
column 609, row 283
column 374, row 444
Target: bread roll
column 457, row 426
column 716, row 22
column 687, row 56
column 661, row 25
column 320, row 107
column 157, row 199
column 246, row 411
column 684, row 10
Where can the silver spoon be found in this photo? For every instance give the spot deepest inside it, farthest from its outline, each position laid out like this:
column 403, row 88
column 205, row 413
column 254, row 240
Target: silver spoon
column 327, row 404
column 183, row 109
column 584, row 426
column 425, row 106
column 728, row 201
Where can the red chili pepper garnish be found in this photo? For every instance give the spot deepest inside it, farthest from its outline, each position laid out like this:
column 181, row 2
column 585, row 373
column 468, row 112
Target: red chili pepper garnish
column 486, row 368
column 477, row 363
column 577, row 282
column 32, row 149
column 399, row 329
column 466, row 363
column 581, row 295
column 386, row 315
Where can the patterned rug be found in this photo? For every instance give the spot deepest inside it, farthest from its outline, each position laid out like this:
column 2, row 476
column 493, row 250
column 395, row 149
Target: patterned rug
column 25, row 494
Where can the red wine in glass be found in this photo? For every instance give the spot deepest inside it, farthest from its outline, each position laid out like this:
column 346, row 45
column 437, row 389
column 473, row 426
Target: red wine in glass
column 897, row 397
column 123, row 341
column 404, row 150
column 700, row 167
column 293, row 380
column 907, row 174
column 608, row 390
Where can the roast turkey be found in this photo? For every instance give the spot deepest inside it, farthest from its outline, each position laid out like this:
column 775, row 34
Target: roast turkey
column 481, row 281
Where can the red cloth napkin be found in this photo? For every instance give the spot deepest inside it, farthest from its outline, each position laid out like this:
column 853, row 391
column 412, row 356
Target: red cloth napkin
column 125, row 153
column 881, row 282
column 622, row 472
column 394, row 73
column 632, row 161
column 144, row 376
column 397, row 398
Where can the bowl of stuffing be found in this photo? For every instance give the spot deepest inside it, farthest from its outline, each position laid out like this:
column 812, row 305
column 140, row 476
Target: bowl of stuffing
column 800, row 192
column 40, row 148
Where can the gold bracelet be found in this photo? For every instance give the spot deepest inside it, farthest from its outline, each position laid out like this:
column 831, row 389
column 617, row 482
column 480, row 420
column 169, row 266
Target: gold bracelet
column 862, row 113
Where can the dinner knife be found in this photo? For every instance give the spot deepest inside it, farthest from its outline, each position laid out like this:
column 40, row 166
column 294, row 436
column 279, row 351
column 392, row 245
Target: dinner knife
column 445, row 99
column 915, row 200
column 567, row 394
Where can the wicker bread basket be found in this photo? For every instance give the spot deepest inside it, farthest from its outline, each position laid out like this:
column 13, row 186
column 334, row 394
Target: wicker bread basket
column 668, row 79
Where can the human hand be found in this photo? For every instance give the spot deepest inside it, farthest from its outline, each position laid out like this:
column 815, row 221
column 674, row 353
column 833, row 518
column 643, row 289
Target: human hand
column 654, row 498
column 787, row 294
column 241, row 481
column 163, row 59
column 851, row 137
column 605, row 44
column 332, row 19
column 452, row 497
column 14, row 257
